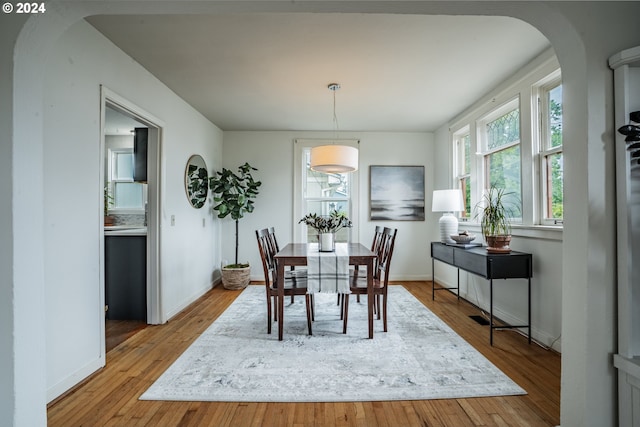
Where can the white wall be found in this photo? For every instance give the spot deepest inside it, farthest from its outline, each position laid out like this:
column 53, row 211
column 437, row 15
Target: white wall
column 80, row 62
column 544, row 243
column 273, row 154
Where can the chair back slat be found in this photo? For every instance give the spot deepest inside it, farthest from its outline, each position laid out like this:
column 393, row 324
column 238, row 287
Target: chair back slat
column 274, row 241
column 376, row 245
column 268, row 249
column 377, row 239
column 385, row 252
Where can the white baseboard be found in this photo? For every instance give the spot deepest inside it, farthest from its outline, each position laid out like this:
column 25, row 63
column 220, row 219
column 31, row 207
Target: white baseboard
column 540, row 336
column 187, row 301
column 392, row 278
column 74, row 379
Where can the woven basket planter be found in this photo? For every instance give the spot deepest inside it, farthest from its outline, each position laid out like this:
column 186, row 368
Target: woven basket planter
column 235, row 278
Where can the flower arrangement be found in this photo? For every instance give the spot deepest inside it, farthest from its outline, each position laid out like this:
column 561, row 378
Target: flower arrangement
column 327, row 224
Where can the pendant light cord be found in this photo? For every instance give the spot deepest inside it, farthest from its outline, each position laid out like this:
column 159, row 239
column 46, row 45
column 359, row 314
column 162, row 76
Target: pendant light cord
column 335, row 116
column 333, row 87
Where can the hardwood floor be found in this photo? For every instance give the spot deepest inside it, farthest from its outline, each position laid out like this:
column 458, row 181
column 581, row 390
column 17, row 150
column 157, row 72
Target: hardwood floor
column 118, row 331
column 110, row 397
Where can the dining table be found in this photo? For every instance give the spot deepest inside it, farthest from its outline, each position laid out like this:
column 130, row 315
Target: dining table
column 295, row 254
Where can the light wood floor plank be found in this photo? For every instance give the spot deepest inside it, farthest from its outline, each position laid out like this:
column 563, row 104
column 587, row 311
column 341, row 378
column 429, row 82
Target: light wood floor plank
column 110, row 397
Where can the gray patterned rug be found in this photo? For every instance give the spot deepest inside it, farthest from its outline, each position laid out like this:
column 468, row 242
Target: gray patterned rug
column 420, row 357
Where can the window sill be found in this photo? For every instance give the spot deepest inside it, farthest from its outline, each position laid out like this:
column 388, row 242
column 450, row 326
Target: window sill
column 126, row 211
column 546, row 232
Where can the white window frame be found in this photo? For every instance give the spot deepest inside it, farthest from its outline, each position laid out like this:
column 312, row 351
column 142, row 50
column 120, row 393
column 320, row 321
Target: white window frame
column 541, row 92
column 301, row 146
column 483, row 150
column 113, row 152
column 458, row 172
column 522, row 85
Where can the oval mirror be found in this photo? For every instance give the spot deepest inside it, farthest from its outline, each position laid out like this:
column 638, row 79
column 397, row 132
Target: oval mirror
column 196, row 181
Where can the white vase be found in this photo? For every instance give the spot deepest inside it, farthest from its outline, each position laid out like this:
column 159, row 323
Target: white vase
column 326, row 242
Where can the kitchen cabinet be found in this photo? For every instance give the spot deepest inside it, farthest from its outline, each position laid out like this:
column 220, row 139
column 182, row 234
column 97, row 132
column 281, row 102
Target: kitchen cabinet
column 126, row 277
column 140, row 148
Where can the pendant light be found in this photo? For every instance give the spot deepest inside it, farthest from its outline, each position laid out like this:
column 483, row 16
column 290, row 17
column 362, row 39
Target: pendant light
column 334, row 158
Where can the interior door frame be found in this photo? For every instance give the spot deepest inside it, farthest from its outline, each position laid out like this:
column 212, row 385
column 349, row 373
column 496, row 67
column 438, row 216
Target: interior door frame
column 111, row 99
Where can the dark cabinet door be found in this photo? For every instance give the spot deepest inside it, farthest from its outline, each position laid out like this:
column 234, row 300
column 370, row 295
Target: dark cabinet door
column 126, row 277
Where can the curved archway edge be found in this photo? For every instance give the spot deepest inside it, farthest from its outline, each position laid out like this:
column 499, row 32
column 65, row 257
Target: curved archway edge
column 587, row 184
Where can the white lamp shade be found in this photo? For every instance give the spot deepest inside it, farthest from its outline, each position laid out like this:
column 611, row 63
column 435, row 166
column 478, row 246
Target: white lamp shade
column 334, row 158
column 447, row 201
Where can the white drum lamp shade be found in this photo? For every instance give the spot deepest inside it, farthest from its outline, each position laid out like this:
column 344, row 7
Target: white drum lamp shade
column 447, row 201
column 334, row 159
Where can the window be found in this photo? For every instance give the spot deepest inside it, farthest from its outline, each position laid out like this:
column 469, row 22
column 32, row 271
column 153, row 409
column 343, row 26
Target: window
column 324, row 192
column 551, row 160
column 462, row 141
column 500, row 136
column 320, row 193
column 512, row 140
column 127, row 194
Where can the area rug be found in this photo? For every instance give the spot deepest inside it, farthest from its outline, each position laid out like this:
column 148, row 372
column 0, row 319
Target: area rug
column 420, row 357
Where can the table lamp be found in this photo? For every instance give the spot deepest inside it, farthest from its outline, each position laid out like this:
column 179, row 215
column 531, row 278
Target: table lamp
column 447, row 201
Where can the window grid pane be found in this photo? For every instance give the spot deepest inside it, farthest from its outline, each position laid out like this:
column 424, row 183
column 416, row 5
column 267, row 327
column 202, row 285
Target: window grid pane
column 503, row 130
column 554, row 186
column 465, row 186
column 323, row 193
column 465, row 154
column 555, row 116
column 320, row 207
column 324, row 185
column 128, row 195
column 503, row 171
column 124, row 166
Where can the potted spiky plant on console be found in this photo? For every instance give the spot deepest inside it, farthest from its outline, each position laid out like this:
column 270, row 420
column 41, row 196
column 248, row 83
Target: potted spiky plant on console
column 495, row 223
column 232, row 196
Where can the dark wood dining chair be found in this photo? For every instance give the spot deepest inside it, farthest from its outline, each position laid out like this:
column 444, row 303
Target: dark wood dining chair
column 358, row 283
column 293, row 284
column 293, row 271
column 375, row 248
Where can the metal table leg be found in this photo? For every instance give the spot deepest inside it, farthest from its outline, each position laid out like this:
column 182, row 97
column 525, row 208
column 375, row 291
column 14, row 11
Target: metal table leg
column 491, row 311
column 529, row 309
column 433, row 280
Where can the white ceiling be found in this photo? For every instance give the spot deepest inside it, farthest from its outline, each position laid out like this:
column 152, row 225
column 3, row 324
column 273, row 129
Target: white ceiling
column 270, row 71
column 117, row 123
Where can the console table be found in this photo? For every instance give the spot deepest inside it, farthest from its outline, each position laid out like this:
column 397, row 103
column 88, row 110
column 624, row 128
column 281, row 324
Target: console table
column 476, row 260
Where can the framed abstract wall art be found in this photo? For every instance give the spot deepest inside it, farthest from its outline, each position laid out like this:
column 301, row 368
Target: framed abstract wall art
column 396, row 193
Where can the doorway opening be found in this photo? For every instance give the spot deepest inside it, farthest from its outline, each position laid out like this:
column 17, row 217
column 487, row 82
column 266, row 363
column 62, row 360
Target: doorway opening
column 129, row 250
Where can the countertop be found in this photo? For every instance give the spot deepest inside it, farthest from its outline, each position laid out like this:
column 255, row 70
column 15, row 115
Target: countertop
column 125, row 230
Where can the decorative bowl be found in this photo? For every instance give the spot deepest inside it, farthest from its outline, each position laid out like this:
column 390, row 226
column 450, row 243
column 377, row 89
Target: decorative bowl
column 463, row 238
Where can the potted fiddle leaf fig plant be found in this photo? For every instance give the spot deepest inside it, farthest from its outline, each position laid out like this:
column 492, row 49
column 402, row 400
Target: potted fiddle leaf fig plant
column 233, row 195
column 495, row 221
